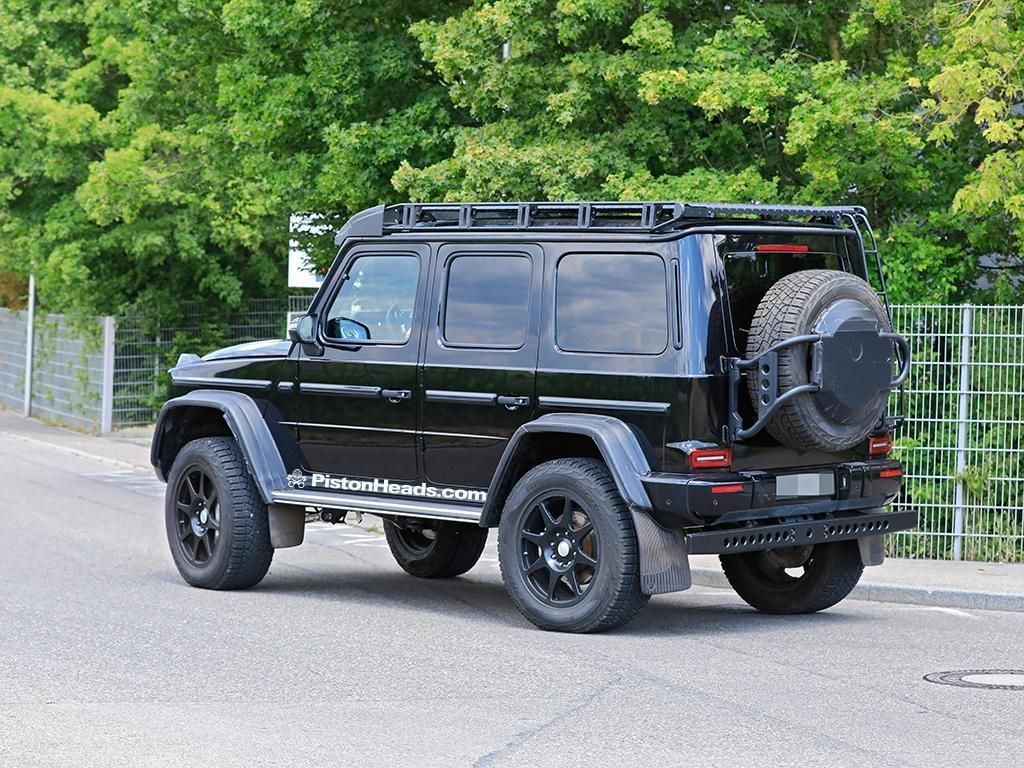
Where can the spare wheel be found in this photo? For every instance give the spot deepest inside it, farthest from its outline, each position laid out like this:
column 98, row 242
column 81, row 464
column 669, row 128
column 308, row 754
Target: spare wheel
column 855, row 371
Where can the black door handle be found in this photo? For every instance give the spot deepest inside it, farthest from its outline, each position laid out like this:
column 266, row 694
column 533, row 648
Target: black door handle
column 512, row 402
column 396, row 395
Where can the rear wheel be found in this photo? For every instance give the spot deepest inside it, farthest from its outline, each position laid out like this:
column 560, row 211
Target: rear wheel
column 435, row 550
column 795, row 579
column 567, row 548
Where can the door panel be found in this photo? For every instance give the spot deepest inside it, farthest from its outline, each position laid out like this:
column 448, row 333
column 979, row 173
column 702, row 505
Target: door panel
column 356, row 404
column 480, row 358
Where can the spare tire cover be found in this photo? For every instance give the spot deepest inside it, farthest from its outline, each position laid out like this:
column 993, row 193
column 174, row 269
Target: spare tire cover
column 855, row 368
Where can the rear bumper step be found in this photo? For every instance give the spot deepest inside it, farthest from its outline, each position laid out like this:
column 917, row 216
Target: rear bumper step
column 759, row 537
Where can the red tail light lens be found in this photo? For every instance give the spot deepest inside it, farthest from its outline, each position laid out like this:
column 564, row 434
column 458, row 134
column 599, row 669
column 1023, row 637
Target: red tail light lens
column 710, row 458
column 879, row 446
column 781, row 248
column 731, row 488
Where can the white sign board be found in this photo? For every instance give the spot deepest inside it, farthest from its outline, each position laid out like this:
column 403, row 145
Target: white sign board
column 300, row 272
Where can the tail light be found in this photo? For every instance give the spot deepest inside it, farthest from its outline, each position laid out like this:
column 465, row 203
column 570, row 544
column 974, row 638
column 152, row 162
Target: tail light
column 879, row 446
column 781, row 248
column 730, row 488
column 710, row 458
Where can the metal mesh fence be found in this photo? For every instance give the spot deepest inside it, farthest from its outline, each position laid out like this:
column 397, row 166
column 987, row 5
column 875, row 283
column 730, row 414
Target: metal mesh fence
column 963, row 442
column 145, row 350
column 67, row 370
column 12, row 357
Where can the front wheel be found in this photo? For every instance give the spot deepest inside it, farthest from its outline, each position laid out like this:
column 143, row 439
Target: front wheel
column 795, row 579
column 567, row 548
column 216, row 521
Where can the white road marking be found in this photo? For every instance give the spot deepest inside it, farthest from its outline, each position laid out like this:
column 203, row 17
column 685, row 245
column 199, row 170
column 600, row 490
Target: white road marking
column 132, row 480
column 951, row 611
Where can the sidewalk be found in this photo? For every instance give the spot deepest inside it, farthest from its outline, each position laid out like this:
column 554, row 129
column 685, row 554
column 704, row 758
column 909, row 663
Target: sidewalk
column 128, row 449
column 993, row 586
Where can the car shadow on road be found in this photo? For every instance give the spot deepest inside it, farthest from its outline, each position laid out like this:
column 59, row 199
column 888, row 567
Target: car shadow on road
column 483, row 598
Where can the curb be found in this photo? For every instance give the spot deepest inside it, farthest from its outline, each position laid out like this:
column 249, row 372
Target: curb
column 899, row 593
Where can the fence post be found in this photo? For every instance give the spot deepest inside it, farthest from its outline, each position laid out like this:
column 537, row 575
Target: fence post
column 107, row 387
column 961, row 432
column 30, row 341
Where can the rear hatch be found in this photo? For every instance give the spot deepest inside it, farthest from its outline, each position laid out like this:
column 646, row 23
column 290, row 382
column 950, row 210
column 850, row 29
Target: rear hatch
column 753, row 263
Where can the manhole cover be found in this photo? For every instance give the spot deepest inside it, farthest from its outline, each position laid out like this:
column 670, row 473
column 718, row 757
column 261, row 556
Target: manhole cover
column 994, row 679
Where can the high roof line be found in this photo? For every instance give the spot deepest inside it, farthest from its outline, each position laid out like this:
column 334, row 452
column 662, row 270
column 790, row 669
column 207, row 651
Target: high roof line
column 652, row 217
column 609, row 217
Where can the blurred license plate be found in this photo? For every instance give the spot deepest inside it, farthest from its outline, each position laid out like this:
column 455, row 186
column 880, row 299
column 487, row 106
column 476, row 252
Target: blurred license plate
column 806, row 484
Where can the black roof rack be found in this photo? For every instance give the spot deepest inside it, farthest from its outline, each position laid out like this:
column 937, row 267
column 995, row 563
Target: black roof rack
column 606, row 216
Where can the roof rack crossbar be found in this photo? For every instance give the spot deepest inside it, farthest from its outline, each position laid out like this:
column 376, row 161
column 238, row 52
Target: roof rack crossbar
column 652, row 217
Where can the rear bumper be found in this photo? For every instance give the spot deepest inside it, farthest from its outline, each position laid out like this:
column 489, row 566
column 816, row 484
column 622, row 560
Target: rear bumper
column 719, row 498
column 874, row 522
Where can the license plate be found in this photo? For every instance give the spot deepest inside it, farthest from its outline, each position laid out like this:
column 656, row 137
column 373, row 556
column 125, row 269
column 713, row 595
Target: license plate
column 805, row 484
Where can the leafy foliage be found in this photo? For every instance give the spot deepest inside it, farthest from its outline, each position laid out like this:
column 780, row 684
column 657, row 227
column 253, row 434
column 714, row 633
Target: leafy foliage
column 151, row 150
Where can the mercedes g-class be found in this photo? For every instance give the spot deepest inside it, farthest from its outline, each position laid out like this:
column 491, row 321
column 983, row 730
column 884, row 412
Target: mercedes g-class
column 613, row 386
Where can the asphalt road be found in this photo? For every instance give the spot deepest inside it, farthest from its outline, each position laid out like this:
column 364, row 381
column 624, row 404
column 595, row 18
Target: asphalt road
column 338, row 658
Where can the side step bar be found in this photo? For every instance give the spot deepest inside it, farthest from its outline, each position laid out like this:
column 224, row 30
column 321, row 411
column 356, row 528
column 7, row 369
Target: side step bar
column 754, row 538
column 376, row 505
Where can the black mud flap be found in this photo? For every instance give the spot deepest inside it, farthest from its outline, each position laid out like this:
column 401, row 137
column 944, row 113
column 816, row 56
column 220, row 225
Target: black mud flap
column 664, row 560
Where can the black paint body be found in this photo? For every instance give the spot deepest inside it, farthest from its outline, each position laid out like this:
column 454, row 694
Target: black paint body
column 424, row 411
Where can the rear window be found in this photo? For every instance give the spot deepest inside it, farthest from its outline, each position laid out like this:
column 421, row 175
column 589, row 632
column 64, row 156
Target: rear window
column 611, row 303
column 753, row 264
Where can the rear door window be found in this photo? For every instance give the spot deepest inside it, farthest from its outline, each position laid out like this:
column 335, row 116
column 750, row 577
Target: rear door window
column 487, row 301
column 609, row 303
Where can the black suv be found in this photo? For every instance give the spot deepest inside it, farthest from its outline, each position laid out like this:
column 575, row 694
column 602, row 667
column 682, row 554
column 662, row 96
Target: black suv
column 614, row 386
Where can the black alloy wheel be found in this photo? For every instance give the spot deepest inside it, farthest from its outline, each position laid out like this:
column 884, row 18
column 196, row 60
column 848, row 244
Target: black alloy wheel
column 567, row 548
column 417, row 541
column 559, row 547
column 198, row 516
column 432, row 549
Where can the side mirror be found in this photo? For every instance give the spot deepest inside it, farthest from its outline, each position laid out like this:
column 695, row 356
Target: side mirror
column 303, row 332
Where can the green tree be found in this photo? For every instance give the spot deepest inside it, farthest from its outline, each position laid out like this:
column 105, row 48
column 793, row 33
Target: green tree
column 150, row 152
column 864, row 102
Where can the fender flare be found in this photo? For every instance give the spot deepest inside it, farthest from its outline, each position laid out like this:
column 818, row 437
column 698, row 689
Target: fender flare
column 247, row 425
column 618, row 446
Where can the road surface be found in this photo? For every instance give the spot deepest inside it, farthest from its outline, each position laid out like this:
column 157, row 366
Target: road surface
column 338, row 658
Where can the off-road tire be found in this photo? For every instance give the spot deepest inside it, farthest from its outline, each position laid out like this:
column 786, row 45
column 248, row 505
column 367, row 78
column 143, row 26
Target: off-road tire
column 831, row 575
column 791, row 307
column 243, row 552
column 454, row 549
column 614, row 596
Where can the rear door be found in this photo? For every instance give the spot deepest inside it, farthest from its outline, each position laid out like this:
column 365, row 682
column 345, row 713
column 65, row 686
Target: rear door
column 480, row 358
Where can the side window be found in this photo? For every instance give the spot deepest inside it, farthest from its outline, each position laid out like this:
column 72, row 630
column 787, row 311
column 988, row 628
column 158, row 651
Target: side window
column 487, row 301
column 611, row 303
column 376, row 301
